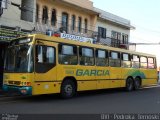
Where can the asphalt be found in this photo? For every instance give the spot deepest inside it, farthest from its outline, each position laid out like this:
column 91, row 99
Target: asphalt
column 92, row 102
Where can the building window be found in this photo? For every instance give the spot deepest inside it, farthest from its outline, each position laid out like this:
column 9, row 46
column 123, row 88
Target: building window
column 37, row 13
column 124, row 39
column 45, row 15
column 102, row 32
column 64, row 22
column 79, row 24
column 85, row 25
column 53, row 17
column 116, row 37
column 73, row 22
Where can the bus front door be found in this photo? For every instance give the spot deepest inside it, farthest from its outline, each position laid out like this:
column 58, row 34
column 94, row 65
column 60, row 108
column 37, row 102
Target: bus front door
column 45, row 68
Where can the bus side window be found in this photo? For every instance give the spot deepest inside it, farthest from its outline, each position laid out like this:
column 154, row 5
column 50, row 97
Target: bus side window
column 135, row 61
column 68, row 55
column 126, row 63
column 151, row 64
column 86, row 56
column 114, row 60
column 143, row 62
column 101, row 57
column 45, row 58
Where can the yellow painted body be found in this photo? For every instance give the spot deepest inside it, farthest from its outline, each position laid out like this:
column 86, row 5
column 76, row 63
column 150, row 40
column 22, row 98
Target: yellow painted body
column 50, row 82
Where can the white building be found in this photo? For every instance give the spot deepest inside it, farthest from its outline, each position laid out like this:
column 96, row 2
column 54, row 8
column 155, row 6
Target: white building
column 112, row 29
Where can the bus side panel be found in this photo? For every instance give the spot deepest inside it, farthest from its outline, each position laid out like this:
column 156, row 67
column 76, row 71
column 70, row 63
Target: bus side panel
column 46, row 88
column 103, row 79
column 150, row 77
column 44, row 83
column 115, row 77
column 85, row 76
column 126, row 72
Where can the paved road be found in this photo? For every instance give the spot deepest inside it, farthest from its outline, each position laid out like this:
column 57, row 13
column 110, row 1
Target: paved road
column 105, row 101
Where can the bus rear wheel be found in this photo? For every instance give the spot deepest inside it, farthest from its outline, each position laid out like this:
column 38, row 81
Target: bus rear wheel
column 129, row 84
column 68, row 89
column 137, row 83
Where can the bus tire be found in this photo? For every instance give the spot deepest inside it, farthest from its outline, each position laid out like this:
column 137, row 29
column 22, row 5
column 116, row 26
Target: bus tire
column 68, row 89
column 129, row 84
column 137, row 83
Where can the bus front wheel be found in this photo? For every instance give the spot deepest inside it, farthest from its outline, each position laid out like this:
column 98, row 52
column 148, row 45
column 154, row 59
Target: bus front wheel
column 129, row 84
column 68, row 89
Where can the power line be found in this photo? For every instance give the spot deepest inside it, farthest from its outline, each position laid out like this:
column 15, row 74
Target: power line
column 144, row 43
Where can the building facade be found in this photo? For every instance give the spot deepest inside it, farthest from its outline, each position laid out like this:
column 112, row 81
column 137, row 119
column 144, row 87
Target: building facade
column 66, row 16
column 70, row 17
column 113, row 30
column 16, row 17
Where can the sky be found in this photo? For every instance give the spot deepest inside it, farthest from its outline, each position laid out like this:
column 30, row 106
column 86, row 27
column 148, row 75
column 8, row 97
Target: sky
column 144, row 15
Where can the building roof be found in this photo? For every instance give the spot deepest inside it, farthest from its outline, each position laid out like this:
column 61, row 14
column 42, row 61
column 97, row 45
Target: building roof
column 114, row 19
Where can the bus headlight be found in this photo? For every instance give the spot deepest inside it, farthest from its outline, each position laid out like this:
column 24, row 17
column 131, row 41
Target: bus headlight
column 26, row 83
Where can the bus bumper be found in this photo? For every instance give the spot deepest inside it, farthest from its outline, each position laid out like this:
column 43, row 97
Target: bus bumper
column 21, row 90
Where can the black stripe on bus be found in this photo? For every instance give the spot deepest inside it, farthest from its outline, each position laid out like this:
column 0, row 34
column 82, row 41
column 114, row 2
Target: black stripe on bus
column 47, row 81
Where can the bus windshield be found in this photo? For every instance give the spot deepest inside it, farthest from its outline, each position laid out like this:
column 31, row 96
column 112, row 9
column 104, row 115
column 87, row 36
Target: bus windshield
column 19, row 58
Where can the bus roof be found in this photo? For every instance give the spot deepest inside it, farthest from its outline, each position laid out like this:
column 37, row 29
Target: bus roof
column 61, row 40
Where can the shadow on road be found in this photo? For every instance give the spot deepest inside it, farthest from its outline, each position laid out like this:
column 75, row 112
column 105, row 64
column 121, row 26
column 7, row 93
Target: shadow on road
column 80, row 95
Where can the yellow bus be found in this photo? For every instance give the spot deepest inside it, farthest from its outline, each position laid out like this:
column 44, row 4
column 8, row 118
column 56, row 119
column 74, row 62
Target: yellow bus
column 38, row 64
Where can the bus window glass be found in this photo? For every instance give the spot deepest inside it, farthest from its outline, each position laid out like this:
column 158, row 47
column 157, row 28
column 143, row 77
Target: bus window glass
column 45, row 54
column 68, row 56
column 40, row 54
column 125, row 57
column 135, row 61
column 101, row 54
column 67, row 50
column 50, row 55
column 45, row 58
column 19, row 59
column 150, row 60
column 101, row 59
column 87, row 52
column 114, row 60
column 126, row 63
column 114, row 55
column 151, row 63
column 86, row 56
column 135, row 58
column 143, row 61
